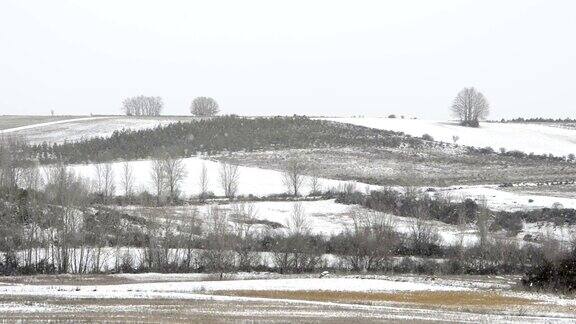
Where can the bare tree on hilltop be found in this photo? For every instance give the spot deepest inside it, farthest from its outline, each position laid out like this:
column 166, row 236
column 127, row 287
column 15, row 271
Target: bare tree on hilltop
column 204, row 107
column 142, row 106
column 470, row 106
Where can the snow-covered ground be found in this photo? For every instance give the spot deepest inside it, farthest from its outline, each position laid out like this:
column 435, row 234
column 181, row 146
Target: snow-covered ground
column 255, row 181
column 289, row 298
column 324, row 217
column 262, row 182
column 47, row 124
column 190, row 289
column 499, row 199
column 540, row 139
column 76, row 129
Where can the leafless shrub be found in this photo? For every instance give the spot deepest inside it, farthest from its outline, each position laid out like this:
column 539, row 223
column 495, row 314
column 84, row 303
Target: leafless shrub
column 423, row 236
column 368, row 241
column 218, row 255
column 293, row 251
column 245, row 234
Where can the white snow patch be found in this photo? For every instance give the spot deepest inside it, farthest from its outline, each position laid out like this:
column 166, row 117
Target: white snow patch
column 41, row 125
column 540, row 139
column 255, row 181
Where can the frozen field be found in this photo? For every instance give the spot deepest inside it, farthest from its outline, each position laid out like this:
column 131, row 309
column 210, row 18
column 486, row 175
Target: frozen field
column 540, row 139
column 74, row 129
column 334, row 299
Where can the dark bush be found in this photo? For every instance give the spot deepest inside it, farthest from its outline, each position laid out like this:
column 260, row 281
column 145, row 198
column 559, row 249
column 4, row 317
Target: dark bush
column 470, row 123
column 511, row 222
column 428, row 137
column 556, row 276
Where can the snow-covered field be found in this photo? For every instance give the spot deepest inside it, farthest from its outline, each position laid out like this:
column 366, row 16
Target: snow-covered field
column 255, row 181
column 284, row 298
column 499, row 199
column 263, row 182
column 326, row 217
column 48, row 124
column 75, row 129
column 189, row 289
column 539, row 139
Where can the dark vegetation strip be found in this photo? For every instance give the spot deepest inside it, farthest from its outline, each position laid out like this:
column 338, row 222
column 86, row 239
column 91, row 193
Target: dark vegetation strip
column 222, row 134
column 415, row 203
column 240, row 134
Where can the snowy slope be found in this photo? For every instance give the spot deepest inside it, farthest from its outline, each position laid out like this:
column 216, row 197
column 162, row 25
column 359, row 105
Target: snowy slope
column 498, row 199
column 84, row 128
column 528, row 138
column 255, row 181
column 47, row 124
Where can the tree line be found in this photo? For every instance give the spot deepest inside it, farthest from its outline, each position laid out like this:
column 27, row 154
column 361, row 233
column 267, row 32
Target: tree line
column 153, row 106
column 538, row 120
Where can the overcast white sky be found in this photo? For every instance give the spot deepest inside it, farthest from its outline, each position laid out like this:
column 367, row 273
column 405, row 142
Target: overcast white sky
column 286, row 57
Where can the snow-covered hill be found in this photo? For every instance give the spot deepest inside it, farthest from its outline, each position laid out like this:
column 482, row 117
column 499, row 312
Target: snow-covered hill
column 75, row 129
column 540, row 139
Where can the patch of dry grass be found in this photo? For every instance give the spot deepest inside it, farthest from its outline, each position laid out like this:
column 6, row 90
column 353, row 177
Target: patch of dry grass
column 430, row 298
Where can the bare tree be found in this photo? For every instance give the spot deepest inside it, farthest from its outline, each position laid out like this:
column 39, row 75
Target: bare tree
column 470, row 106
column 229, row 179
column 158, row 177
column 109, row 182
column 203, row 182
column 175, row 173
column 204, row 107
column 127, row 180
column 293, row 177
column 69, row 192
column 315, row 185
column 31, row 178
column 142, row 106
column 298, row 223
column 105, row 184
column 10, row 160
column 191, row 231
column 482, row 225
column 297, row 249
